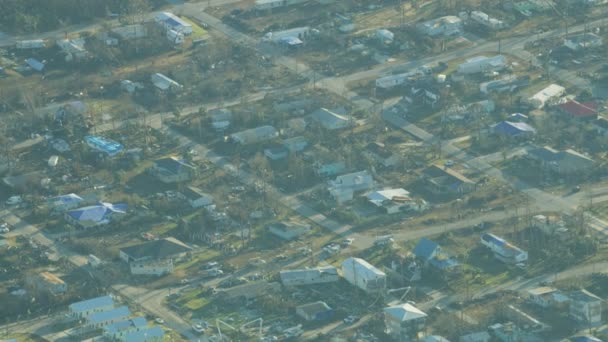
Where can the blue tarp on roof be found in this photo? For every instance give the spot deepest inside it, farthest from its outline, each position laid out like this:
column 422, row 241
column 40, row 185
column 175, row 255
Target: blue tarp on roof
column 513, row 128
column 425, row 249
column 90, row 304
column 144, row 334
column 107, row 146
column 105, row 316
column 97, row 213
column 34, row 64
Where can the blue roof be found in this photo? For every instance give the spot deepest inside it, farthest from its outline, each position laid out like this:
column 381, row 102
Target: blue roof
column 109, row 147
column 104, row 316
column 513, row 128
column 34, row 64
column 425, row 249
column 126, row 324
column 491, row 238
column 97, row 213
column 90, row 304
column 144, row 334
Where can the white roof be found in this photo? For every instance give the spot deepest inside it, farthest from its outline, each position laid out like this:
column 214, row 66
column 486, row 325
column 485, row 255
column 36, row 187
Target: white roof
column 378, row 197
column 550, row 91
column 363, row 268
column 163, row 82
column 404, row 312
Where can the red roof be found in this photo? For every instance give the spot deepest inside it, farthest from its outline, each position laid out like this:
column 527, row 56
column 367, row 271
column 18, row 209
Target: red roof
column 580, row 110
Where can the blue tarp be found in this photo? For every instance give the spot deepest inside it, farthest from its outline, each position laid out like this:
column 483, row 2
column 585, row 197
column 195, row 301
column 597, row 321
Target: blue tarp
column 107, row 146
column 34, row 64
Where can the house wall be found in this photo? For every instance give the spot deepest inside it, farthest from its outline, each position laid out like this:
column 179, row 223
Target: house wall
column 151, row 268
column 586, row 312
column 403, row 331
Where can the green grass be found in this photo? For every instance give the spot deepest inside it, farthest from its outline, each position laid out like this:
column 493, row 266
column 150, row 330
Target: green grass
column 197, row 31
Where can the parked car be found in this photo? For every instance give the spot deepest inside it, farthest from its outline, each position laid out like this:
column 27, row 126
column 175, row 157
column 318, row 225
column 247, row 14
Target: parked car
column 351, row 319
column 210, row 265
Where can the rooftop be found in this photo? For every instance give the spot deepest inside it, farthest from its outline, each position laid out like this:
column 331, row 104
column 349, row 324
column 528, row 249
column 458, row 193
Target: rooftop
column 313, row 308
column 144, row 334
column 51, row 278
column 105, row 316
column 90, row 304
column 363, row 268
column 126, row 324
column 404, row 312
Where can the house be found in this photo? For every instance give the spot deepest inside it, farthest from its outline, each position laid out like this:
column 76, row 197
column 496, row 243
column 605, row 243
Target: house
column 395, row 200
column 481, row 64
column 118, row 329
column 196, row 197
column 96, row 215
column 385, row 36
column 255, row 135
column 103, row 145
column 146, row 334
column 309, row 276
column 424, row 94
column 382, row 155
column 170, row 21
column 220, row 118
column 564, row 163
column 487, row 21
column 30, row 44
column 404, row 322
column 288, row 230
column 343, row 187
column 73, row 48
column 328, row 169
column 503, row 250
column 163, row 82
column 46, row 282
column 545, row 296
column 249, row 290
column 583, row 41
column 291, row 37
column 444, row 26
column 549, row 94
column 330, row 120
column 584, row 338
column 507, row 332
column 172, row 170
column 100, row 319
column 269, row 4
column 482, row 336
column 60, row 204
column 585, row 308
column 276, row 153
column 578, row 110
column 513, row 130
column 444, row 180
column 431, row 254
column 506, row 83
column 317, row 311
column 154, row 257
column 391, row 81
column 87, row 307
column 363, row 275
column 295, row 144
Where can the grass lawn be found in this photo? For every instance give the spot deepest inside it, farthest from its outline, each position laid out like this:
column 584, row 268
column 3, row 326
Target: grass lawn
column 197, row 31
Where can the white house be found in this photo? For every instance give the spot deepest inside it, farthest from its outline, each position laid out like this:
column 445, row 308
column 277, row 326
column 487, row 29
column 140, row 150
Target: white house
column 585, row 308
column 363, row 275
column 163, row 82
column 343, row 187
column 316, row 275
column 546, row 296
column 154, row 257
column 543, row 97
column 391, row 81
column 64, row 202
column 170, row 21
column 404, row 322
column 444, row 26
column 73, row 48
column 395, row 200
column 503, row 250
column 482, row 64
column 330, row 120
column 269, row 4
column 487, row 21
column 255, row 135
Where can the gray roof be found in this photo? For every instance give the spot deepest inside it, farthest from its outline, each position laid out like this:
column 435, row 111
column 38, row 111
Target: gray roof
column 90, row 304
column 157, row 249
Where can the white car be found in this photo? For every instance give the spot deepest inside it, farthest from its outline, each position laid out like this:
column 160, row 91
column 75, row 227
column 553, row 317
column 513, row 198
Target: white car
column 14, row 200
column 199, row 327
column 159, row 320
column 4, row 228
column 449, row 163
